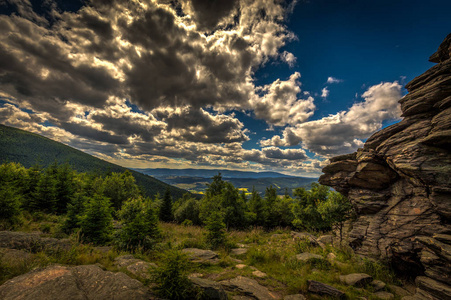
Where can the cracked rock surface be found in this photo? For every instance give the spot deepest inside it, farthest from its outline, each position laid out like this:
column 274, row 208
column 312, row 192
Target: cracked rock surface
column 400, row 183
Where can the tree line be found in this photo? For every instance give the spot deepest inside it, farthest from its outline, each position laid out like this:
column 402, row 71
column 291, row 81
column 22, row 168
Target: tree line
column 89, row 203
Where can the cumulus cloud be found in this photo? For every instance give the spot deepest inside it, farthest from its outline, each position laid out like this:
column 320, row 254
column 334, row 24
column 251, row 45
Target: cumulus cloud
column 343, row 132
column 325, row 92
column 333, row 80
column 289, row 58
column 279, row 104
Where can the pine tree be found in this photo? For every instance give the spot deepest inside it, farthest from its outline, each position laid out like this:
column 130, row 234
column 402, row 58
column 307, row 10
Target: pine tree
column 257, row 208
column 216, row 230
column 166, row 214
column 97, row 223
column 65, row 187
column 44, row 197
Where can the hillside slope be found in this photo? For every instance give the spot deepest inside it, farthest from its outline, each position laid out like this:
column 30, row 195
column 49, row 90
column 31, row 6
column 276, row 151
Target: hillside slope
column 28, row 149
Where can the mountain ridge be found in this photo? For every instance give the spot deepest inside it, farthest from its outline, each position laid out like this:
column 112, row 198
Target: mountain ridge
column 28, row 148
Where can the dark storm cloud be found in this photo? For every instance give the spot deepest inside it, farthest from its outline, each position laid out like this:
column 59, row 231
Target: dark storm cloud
column 94, row 134
column 209, row 12
column 197, row 125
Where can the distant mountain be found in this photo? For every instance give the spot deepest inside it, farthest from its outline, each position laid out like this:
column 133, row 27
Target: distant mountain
column 208, row 173
column 196, row 180
column 28, row 149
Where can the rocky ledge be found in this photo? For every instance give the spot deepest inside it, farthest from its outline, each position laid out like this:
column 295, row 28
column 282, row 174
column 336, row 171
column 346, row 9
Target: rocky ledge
column 400, row 184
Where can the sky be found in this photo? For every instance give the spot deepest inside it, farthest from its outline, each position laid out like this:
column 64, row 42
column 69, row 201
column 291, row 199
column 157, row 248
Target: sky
column 256, row 85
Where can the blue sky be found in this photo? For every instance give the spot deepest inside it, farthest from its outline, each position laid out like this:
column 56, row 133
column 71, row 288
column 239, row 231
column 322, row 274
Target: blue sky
column 247, row 85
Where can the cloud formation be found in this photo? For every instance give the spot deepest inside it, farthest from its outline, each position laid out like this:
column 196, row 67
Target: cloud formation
column 162, row 81
column 343, row 132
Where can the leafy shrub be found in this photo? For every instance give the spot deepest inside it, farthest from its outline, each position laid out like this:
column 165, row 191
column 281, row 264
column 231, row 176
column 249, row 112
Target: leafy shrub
column 171, row 277
column 97, row 223
column 9, row 206
column 216, row 230
column 140, row 225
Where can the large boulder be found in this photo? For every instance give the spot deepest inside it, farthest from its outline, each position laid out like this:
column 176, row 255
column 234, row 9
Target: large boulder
column 80, row 282
column 202, row 256
column 249, row 287
column 400, row 183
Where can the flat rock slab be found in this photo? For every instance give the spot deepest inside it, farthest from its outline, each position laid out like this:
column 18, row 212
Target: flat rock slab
column 384, row 295
column 325, row 289
column 135, row 266
column 201, row 256
column 210, row 289
column 249, row 287
column 305, row 236
column 14, row 257
column 295, row 297
column 238, row 251
column 80, row 282
column 356, row 279
column 399, row 291
column 240, row 266
column 307, row 257
column 378, row 285
column 31, row 241
column 259, row 274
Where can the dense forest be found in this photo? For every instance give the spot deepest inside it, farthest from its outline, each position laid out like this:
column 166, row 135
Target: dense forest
column 90, row 204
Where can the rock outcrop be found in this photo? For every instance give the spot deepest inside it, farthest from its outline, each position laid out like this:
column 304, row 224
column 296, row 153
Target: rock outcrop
column 400, row 183
column 80, row 282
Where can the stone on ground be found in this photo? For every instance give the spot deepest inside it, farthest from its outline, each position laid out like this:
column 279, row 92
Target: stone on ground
column 324, row 289
column 240, row 266
column 249, row 287
column 259, row 274
column 378, row 285
column 295, row 297
column 211, row 290
column 80, row 282
column 399, row 291
column 201, row 256
column 384, row 295
column 307, row 257
column 305, row 236
column 135, row 266
column 238, row 251
column 356, row 279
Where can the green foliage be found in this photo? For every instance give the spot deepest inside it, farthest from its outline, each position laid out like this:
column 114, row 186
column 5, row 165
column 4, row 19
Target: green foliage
column 257, row 209
column 140, row 225
column 216, row 230
column 187, row 210
column 166, row 213
column 97, row 223
column 171, row 277
column 75, row 212
column 44, row 196
column 335, row 211
column 120, row 187
column 305, row 208
column 9, row 206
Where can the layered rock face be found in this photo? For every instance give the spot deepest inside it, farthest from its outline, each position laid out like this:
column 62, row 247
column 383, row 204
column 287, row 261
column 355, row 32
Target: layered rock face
column 400, row 184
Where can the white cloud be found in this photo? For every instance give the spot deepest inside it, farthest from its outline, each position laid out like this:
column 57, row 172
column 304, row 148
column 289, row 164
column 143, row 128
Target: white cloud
column 289, row 58
column 325, row 92
column 333, row 80
column 343, row 132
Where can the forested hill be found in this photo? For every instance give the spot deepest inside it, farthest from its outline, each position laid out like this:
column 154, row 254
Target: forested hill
column 28, row 149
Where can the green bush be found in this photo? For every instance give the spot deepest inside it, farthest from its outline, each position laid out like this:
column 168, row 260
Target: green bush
column 9, row 206
column 171, row 277
column 140, row 225
column 216, row 230
column 97, row 223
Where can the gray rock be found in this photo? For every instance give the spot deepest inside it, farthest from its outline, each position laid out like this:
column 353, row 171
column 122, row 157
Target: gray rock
column 325, row 289
column 399, row 183
column 80, row 282
column 384, row 295
column 211, row 290
column 249, row 287
column 326, row 239
column 295, row 297
column 238, row 251
column 434, row 288
column 397, row 290
column 356, row 279
column 259, row 274
column 201, row 256
column 135, row 266
column 305, row 236
column 378, row 285
column 308, row 257
column 32, row 241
